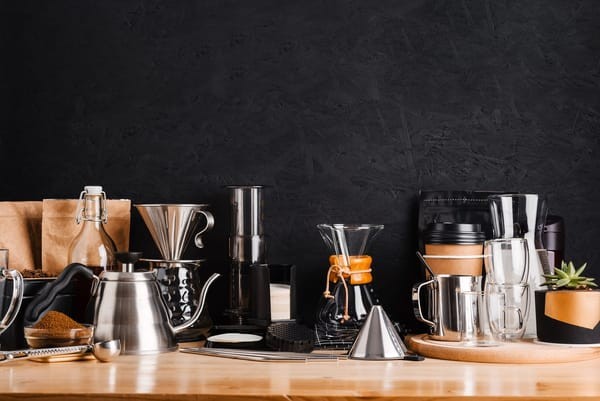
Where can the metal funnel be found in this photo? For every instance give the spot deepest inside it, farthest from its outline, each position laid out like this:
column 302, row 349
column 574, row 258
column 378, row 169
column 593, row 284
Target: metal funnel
column 378, row 339
column 172, row 226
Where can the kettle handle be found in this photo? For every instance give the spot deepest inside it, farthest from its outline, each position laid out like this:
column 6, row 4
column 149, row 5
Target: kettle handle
column 46, row 296
column 199, row 309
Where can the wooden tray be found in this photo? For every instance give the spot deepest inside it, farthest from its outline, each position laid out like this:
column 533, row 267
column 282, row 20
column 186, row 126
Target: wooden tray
column 526, row 351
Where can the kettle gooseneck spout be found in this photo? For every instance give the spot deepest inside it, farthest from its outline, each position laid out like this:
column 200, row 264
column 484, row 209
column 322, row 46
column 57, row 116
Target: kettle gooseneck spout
column 199, row 309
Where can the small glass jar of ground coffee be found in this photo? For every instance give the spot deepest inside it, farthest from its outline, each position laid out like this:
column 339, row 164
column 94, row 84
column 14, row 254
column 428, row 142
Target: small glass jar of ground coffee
column 55, row 329
column 57, row 321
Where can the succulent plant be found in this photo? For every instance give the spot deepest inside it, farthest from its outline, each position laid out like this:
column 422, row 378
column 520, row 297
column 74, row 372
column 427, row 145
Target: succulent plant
column 567, row 277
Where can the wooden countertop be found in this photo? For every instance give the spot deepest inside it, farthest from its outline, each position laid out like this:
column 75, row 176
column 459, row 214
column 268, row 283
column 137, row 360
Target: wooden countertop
column 179, row 376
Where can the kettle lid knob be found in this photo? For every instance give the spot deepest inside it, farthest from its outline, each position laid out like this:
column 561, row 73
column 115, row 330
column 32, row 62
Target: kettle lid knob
column 128, row 260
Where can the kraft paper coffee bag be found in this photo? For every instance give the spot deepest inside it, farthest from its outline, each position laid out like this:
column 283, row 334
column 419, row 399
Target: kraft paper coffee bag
column 21, row 233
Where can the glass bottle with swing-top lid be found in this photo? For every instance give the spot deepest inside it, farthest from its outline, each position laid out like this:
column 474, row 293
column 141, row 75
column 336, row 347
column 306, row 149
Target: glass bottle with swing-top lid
column 93, row 246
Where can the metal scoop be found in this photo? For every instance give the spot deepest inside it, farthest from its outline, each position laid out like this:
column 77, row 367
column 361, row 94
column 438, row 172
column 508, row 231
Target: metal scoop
column 104, row 351
column 424, row 262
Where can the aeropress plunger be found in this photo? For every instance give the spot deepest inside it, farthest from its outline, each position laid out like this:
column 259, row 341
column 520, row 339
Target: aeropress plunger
column 246, row 248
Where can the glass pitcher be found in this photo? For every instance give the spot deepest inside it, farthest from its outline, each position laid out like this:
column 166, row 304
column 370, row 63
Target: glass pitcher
column 348, row 296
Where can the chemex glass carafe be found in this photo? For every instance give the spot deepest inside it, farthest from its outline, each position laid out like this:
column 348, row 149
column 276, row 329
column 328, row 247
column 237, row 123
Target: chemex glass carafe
column 348, row 296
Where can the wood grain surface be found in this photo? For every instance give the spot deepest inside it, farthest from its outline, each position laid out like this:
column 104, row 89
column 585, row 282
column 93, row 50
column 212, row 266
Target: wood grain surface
column 178, row 376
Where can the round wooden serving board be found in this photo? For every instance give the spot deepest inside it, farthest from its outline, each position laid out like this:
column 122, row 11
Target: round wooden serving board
column 526, row 351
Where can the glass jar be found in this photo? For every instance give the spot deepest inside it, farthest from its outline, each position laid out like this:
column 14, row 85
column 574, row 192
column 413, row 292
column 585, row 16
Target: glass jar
column 93, row 246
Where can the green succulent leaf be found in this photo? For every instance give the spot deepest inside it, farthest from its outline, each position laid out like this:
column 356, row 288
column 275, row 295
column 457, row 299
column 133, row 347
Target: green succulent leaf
column 581, row 269
column 569, row 277
column 571, row 271
column 562, row 274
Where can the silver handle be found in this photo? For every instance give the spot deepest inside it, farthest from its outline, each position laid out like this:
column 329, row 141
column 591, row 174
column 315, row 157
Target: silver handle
column 210, row 222
column 416, row 299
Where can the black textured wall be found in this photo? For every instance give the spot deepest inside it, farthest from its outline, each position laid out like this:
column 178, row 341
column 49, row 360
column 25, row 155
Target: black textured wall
column 344, row 108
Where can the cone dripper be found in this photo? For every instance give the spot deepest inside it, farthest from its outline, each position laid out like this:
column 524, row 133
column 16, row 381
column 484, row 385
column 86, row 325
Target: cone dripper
column 378, row 339
column 172, row 226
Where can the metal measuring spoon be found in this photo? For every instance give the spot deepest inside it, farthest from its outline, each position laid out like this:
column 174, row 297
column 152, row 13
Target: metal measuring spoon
column 104, row 351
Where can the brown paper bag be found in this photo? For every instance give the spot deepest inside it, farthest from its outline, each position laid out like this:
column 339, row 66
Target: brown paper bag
column 21, row 233
column 59, row 228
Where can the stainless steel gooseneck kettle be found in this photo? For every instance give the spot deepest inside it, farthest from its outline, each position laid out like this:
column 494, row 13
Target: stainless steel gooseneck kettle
column 127, row 305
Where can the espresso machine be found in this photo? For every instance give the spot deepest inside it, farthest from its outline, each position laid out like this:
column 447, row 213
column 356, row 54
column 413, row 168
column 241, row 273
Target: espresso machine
column 172, row 227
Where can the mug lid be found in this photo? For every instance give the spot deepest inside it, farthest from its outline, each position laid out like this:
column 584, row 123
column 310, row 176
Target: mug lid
column 454, row 233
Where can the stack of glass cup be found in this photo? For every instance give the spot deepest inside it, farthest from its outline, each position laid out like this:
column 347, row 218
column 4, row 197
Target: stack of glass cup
column 524, row 216
column 507, row 292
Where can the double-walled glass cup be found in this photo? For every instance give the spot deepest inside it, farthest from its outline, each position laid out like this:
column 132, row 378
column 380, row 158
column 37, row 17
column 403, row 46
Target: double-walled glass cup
column 507, row 309
column 507, row 292
column 506, row 261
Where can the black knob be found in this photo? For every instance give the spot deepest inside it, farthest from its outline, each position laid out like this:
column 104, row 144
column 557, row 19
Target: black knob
column 128, row 257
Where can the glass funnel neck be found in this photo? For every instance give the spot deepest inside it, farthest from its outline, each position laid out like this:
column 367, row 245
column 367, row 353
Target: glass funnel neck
column 349, row 239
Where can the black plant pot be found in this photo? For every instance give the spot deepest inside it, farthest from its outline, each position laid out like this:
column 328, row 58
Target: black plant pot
column 552, row 330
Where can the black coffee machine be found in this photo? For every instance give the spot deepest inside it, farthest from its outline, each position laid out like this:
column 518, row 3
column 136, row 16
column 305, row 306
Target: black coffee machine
column 259, row 293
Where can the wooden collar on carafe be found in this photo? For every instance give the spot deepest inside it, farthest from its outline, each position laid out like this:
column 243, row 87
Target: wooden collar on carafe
column 359, row 272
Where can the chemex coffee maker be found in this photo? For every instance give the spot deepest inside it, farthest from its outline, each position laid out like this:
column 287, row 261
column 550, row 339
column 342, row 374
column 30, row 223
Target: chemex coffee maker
column 172, row 226
column 348, row 296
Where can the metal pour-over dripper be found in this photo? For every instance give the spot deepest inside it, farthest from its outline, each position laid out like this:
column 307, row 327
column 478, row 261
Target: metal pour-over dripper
column 378, row 340
column 172, row 226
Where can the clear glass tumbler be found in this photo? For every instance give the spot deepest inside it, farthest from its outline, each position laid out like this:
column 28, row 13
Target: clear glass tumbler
column 473, row 323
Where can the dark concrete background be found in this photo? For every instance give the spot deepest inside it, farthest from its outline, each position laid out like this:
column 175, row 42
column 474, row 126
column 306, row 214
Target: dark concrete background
column 344, row 108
